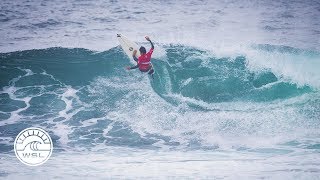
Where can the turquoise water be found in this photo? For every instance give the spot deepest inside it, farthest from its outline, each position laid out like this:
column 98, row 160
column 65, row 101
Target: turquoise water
column 206, row 109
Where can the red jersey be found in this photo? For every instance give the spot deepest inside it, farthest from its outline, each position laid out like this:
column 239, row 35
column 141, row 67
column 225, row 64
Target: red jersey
column 144, row 61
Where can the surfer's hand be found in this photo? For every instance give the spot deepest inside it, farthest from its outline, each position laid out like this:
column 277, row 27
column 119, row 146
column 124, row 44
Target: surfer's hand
column 134, row 52
column 128, row 68
column 147, row 38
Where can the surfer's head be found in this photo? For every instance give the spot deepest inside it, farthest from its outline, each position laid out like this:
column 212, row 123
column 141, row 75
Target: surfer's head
column 142, row 50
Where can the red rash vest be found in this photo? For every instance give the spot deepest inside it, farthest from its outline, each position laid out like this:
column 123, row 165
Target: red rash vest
column 144, row 61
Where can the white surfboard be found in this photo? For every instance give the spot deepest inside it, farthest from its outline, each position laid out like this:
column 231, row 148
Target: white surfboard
column 128, row 47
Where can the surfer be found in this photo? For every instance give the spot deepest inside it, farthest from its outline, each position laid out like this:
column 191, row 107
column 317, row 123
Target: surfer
column 144, row 61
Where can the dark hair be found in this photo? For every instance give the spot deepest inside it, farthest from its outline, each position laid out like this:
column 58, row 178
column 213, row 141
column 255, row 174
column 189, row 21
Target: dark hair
column 142, row 50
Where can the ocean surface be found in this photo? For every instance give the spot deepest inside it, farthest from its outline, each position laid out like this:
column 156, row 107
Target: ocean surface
column 236, row 93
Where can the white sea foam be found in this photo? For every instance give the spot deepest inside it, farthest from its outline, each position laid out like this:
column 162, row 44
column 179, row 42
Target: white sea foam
column 225, row 126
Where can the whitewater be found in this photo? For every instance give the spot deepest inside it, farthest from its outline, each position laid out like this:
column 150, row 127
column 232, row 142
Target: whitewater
column 235, row 94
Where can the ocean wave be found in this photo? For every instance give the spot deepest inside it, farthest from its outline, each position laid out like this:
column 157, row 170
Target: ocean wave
column 197, row 100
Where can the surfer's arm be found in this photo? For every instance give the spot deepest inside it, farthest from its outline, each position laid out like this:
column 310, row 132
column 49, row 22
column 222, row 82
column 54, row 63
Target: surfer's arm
column 148, row 39
column 134, row 55
column 133, row 67
column 152, row 46
column 135, row 58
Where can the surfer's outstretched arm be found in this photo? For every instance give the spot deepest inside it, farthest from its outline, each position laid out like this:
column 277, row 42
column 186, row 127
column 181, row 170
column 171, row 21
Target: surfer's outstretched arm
column 135, row 58
column 134, row 55
column 148, row 39
column 133, row 67
column 152, row 46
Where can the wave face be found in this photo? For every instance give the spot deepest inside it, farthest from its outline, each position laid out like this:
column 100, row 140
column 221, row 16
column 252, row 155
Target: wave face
column 196, row 101
column 199, row 107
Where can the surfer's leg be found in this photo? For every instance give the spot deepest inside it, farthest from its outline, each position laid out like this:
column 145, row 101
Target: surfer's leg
column 151, row 72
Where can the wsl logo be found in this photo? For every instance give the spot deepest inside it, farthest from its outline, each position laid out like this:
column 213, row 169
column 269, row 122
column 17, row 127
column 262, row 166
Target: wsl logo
column 33, row 146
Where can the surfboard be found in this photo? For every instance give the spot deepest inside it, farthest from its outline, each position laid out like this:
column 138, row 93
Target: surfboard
column 128, row 47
